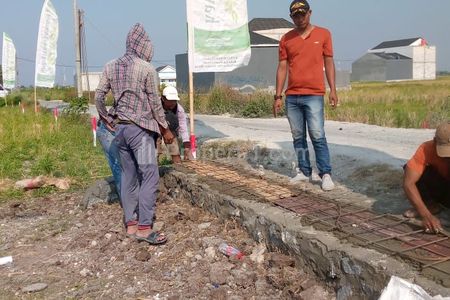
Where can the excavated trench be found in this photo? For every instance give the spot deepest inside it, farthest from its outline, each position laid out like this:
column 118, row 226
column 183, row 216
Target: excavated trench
column 344, row 244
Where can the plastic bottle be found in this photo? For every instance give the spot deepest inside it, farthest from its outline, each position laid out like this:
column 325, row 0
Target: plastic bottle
column 230, row 251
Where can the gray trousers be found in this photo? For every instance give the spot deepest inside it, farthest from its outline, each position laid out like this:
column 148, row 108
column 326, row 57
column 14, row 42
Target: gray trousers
column 140, row 175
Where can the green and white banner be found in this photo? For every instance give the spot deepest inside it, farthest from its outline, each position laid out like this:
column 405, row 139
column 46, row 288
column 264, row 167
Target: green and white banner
column 47, row 46
column 219, row 40
column 8, row 62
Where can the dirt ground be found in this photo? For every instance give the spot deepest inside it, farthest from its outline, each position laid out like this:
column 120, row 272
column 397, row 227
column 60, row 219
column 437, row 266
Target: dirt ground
column 84, row 254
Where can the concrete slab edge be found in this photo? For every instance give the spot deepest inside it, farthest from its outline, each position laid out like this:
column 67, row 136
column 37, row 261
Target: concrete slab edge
column 354, row 272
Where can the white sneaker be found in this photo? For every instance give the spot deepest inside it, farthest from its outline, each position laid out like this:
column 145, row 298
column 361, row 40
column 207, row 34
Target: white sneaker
column 300, row 177
column 327, row 183
column 315, row 177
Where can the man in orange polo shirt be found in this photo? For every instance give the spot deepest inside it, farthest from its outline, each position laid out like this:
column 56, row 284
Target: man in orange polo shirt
column 304, row 52
column 427, row 179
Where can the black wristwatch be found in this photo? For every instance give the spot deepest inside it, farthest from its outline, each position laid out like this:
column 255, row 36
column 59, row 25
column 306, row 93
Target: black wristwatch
column 277, row 97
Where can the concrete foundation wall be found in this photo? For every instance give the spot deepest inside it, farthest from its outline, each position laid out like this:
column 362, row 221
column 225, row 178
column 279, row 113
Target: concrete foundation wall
column 355, row 272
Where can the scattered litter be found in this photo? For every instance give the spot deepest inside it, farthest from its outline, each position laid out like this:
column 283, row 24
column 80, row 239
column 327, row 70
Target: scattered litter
column 401, row 289
column 6, row 260
column 42, row 181
column 28, row 184
column 230, row 251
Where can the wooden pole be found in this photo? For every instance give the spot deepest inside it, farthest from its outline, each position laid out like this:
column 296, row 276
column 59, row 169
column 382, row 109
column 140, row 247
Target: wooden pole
column 191, row 114
column 76, row 17
column 191, row 91
column 191, row 101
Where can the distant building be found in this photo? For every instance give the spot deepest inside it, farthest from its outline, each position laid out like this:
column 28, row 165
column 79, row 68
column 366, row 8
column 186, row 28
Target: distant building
column 167, row 75
column 89, row 81
column 265, row 34
column 407, row 59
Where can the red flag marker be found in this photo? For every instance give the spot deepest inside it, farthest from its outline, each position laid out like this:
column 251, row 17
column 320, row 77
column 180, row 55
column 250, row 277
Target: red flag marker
column 55, row 114
column 94, row 129
column 193, row 146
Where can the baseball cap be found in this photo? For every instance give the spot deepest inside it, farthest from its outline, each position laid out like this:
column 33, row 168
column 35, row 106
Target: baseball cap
column 170, row 93
column 299, row 7
column 442, row 139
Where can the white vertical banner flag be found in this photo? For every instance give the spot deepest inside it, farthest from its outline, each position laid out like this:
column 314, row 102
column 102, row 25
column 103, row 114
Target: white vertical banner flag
column 8, row 62
column 47, row 46
column 219, row 40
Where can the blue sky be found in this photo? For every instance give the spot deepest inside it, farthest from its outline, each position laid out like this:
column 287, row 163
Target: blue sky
column 356, row 27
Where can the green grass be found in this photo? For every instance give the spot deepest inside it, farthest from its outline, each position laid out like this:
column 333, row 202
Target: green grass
column 32, row 145
column 224, row 100
column 413, row 104
column 26, row 95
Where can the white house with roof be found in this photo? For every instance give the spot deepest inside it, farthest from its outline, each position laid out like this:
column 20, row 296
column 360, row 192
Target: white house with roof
column 167, row 75
column 405, row 59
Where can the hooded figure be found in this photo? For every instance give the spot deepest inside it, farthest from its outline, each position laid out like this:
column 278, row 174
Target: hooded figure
column 136, row 117
column 134, row 85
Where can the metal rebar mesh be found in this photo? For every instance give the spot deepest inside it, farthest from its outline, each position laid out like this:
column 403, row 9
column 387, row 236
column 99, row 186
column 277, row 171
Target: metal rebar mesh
column 393, row 235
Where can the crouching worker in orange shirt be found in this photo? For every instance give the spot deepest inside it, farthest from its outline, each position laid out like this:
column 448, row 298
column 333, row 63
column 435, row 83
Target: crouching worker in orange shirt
column 176, row 118
column 427, row 179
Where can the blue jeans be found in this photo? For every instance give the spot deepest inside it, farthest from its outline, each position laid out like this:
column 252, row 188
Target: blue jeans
column 302, row 111
column 106, row 137
column 140, row 174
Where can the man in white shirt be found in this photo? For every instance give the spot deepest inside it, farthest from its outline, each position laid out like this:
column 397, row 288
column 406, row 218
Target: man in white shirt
column 176, row 118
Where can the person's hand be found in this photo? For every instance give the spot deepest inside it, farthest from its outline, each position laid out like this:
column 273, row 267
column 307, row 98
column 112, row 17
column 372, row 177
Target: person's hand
column 334, row 101
column 188, row 154
column 276, row 107
column 168, row 136
column 110, row 127
column 431, row 224
column 187, row 151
